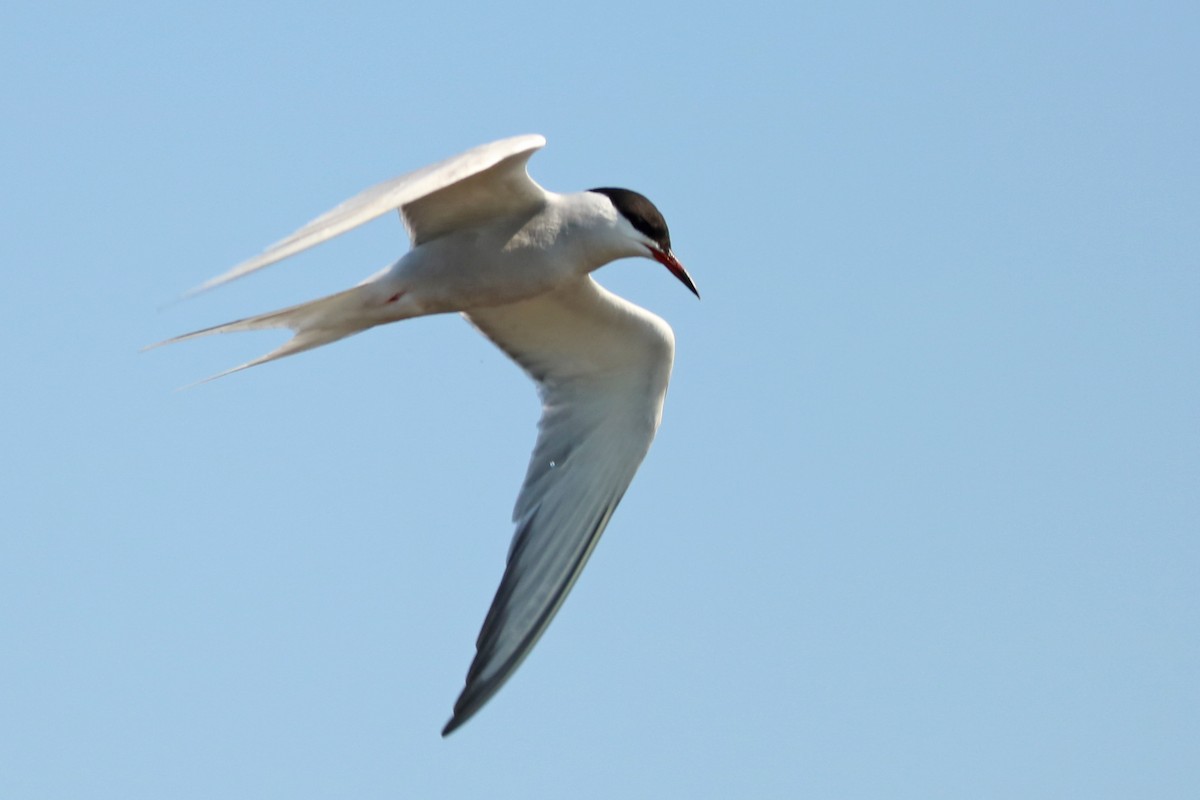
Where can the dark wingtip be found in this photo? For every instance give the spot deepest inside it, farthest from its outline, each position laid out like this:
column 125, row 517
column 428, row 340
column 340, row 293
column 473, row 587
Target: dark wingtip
column 468, row 705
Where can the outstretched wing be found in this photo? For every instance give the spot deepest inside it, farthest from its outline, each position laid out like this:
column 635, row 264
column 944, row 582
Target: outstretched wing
column 601, row 365
column 487, row 180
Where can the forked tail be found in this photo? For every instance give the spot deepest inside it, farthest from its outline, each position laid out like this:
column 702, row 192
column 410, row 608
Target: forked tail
column 315, row 323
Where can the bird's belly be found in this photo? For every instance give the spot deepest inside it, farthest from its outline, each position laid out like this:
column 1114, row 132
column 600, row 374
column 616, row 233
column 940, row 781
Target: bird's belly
column 444, row 279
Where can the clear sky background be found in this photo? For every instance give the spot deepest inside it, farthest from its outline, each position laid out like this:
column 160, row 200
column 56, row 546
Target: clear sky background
column 922, row 517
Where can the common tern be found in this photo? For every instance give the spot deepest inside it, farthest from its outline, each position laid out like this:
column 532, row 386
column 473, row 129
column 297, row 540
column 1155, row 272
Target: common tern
column 515, row 260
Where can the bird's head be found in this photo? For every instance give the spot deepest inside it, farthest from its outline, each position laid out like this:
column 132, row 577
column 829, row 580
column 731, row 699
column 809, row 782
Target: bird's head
column 646, row 226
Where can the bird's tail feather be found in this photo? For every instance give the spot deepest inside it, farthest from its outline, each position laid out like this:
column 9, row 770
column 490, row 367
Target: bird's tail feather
column 315, row 323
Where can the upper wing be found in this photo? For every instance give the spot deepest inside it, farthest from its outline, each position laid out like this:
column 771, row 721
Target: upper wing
column 602, row 366
column 486, row 180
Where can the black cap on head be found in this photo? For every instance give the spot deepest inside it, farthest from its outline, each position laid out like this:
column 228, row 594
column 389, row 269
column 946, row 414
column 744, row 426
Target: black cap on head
column 640, row 212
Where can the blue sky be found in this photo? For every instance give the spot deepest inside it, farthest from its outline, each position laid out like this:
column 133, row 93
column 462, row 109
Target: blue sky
column 921, row 520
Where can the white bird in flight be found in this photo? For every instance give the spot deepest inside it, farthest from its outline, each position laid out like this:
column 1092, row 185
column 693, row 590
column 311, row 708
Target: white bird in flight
column 515, row 261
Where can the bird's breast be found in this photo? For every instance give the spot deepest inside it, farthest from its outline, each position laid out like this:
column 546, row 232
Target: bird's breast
column 473, row 269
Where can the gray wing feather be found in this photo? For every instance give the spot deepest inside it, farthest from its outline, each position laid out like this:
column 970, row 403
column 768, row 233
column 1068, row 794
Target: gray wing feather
column 602, row 366
column 498, row 183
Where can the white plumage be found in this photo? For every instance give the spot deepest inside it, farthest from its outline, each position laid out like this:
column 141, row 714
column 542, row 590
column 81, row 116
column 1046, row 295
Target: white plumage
column 515, row 260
